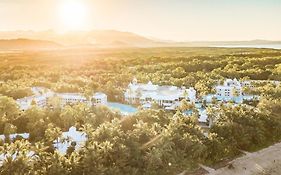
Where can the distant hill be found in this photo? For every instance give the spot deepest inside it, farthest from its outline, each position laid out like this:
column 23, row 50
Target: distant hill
column 19, row 44
column 222, row 43
column 96, row 38
column 103, row 39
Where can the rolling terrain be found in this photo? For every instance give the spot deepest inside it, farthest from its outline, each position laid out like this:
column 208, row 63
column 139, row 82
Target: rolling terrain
column 103, row 39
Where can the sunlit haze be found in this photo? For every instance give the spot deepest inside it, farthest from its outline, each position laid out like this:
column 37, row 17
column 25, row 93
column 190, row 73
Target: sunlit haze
column 179, row 20
column 140, row 87
column 73, row 15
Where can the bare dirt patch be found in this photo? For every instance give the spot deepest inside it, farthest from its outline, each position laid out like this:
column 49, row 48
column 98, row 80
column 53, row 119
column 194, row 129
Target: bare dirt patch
column 264, row 162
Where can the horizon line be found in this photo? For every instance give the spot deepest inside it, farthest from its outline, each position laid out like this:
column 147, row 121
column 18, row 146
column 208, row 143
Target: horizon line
column 123, row 31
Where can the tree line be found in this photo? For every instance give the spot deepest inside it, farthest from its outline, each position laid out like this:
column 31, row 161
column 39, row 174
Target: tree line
column 150, row 141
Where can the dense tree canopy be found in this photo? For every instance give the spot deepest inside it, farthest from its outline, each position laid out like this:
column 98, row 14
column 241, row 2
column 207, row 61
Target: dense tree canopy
column 150, row 141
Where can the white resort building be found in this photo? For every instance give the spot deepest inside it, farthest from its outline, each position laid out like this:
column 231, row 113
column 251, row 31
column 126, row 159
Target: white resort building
column 43, row 95
column 40, row 100
column 229, row 90
column 61, row 143
column 99, row 98
column 72, row 135
column 71, row 98
column 168, row 97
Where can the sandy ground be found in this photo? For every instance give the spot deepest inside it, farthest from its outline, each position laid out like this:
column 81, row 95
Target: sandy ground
column 264, row 162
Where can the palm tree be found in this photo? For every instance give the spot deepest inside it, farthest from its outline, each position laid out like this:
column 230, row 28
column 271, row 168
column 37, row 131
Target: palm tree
column 88, row 94
column 9, row 129
column 213, row 114
column 53, row 133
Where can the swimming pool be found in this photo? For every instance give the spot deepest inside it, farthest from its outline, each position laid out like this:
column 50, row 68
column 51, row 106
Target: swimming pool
column 123, row 108
column 202, row 114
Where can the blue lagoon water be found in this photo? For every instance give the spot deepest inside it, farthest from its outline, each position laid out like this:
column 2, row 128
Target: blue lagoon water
column 268, row 46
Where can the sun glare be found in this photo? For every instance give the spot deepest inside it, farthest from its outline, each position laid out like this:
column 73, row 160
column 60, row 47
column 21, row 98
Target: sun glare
column 73, row 15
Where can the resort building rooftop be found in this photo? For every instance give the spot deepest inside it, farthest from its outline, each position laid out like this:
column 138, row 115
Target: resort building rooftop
column 165, row 96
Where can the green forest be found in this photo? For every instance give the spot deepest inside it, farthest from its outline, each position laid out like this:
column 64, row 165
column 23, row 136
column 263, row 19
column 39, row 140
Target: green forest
column 150, row 141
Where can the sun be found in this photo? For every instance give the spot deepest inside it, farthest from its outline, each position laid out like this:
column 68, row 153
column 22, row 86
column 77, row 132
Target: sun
column 73, row 15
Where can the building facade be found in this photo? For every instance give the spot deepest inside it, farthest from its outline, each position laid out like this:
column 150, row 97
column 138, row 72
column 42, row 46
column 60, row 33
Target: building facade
column 42, row 97
column 168, row 97
column 230, row 90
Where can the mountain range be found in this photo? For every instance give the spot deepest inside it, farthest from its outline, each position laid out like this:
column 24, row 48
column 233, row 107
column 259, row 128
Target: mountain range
column 15, row 44
column 99, row 39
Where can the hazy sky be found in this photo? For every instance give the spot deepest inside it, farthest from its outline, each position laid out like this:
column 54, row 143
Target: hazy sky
column 180, row 20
